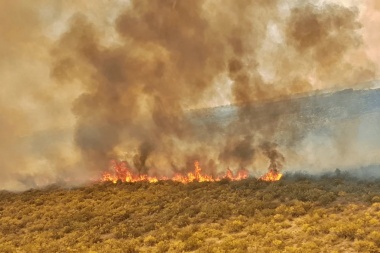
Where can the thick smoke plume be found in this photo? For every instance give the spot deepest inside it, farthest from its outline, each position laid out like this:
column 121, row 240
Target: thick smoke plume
column 126, row 83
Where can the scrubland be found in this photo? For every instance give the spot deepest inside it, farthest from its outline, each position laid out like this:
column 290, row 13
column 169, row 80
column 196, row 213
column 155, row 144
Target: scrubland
column 296, row 214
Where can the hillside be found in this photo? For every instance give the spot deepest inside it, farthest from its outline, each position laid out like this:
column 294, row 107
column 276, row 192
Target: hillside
column 307, row 108
column 297, row 214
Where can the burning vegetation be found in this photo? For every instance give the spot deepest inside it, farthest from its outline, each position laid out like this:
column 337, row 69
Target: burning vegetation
column 272, row 175
column 121, row 172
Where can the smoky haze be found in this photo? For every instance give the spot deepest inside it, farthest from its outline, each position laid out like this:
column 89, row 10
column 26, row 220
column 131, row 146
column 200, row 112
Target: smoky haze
column 121, row 80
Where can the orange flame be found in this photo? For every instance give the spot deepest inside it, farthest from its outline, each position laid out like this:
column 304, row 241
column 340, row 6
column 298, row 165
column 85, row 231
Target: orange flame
column 122, row 173
column 271, row 176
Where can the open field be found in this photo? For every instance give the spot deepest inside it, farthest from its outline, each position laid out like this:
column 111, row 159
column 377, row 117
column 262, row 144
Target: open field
column 297, row 214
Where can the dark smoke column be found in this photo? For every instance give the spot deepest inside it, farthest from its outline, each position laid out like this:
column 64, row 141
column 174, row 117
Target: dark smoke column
column 169, row 56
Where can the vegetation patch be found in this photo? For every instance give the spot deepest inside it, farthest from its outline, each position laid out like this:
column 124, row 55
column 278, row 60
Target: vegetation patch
column 296, row 214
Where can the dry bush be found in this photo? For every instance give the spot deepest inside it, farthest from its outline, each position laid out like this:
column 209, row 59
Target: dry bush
column 294, row 215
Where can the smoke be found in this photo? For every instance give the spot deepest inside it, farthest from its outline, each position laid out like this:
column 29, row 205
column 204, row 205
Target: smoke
column 85, row 83
column 276, row 158
column 241, row 151
column 25, row 106
column 140, row 159
column 370, row 18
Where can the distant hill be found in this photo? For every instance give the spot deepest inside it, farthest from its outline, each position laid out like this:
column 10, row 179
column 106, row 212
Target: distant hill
column 307, row 108
column 346, row 123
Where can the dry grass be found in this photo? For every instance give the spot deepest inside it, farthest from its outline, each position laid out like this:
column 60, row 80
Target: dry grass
column 297, row 214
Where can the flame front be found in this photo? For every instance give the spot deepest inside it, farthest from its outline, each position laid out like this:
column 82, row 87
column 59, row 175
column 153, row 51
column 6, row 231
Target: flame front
column 121, row 172
column 271, row 176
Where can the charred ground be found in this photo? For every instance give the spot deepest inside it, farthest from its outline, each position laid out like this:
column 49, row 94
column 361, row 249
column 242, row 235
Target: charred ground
column 334, row 213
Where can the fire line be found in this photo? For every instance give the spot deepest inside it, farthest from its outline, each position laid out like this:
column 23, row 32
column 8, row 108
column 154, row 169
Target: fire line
column 122, row 173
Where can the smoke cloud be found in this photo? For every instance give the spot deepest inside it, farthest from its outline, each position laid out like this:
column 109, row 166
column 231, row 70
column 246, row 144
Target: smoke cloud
column 87, row 83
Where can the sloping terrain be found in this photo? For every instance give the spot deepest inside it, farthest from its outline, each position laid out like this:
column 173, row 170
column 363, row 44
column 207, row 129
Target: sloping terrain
column 309, row 108
column 319, row 131
column 333, row 213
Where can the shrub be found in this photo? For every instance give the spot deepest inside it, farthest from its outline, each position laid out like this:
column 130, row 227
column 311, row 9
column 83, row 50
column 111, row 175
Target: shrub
column 192, row 243
column 234, row 226
column 374, row 236
column 297, row 210
column 150, row 240
column 172, row 217
column 366, row 246
column 279, row 217
column 234, row 245
column 327, row 198
column 375, row 199
column 162, row 247
column 346, row 230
